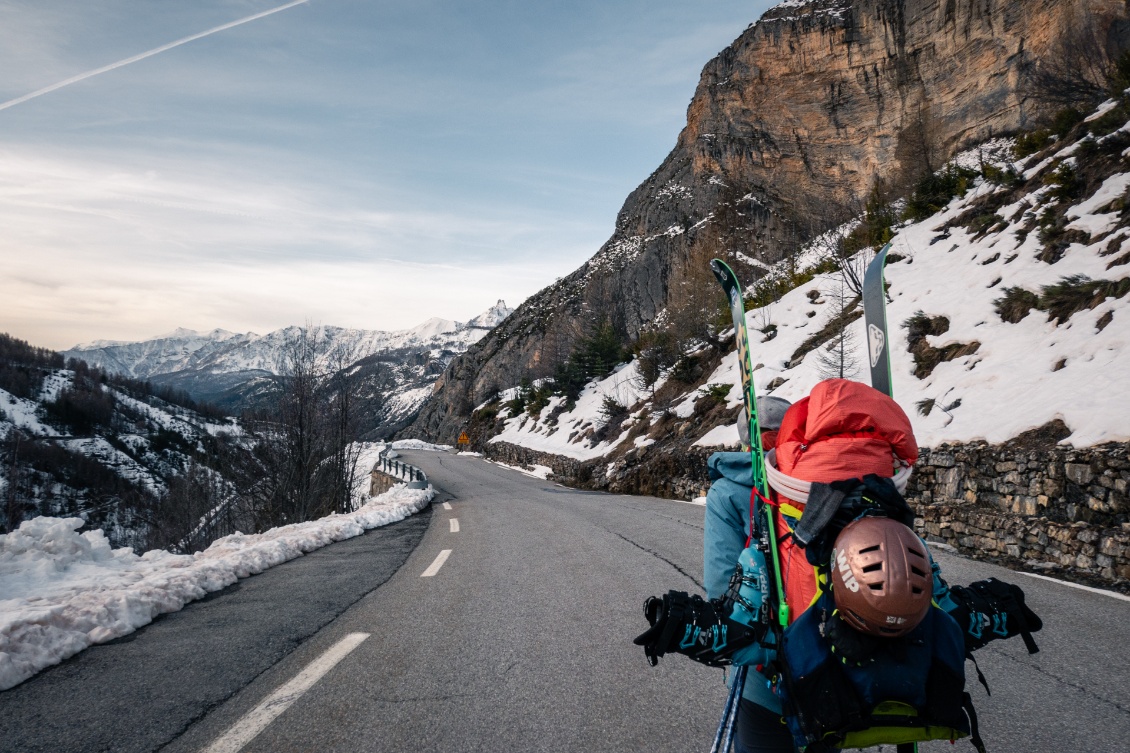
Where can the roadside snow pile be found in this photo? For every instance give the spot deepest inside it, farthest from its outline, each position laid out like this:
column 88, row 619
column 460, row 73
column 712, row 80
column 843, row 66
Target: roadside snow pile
column 418, row 444
column 61, row 591
column 536, row 471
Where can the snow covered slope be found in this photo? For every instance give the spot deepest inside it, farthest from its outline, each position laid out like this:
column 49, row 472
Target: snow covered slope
column 79, row 447
column 1050, row 232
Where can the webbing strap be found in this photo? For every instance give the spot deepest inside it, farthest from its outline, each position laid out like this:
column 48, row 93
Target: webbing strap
column 754, row 497
column 974, row 729
column 980, row 674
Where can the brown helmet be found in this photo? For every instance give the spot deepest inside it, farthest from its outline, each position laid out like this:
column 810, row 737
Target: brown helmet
column 881, row 580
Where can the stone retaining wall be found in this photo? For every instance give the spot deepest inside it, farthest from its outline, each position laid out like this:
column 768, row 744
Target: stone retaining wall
column 1056, row 509
column 380, row 482
column 677, row 473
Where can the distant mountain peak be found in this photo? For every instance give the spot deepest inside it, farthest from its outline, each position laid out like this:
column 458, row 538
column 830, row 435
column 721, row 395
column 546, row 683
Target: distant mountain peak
column 492, row 317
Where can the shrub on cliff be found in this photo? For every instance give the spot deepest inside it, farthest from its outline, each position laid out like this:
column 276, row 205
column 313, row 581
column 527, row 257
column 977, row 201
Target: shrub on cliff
column 935, row 191
column 1015, row 304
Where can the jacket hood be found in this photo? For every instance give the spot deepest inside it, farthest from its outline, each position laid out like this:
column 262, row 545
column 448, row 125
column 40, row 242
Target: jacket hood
column 734, row 466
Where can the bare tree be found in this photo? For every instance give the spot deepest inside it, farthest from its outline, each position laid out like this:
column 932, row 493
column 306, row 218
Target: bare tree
column 15, row 498
column 836, row 247
column 303, row 456
column 838, row 358
column 198, row 507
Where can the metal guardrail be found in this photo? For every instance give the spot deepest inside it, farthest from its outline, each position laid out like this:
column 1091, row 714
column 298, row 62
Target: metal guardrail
column 415, row 477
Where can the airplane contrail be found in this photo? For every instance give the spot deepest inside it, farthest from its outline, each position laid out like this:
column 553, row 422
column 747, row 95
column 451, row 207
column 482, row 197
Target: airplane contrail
column 142, row 56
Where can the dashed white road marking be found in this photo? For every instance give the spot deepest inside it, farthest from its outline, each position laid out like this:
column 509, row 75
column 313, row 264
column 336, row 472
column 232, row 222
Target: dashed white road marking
column 435, row 566
column 455, row 525
column 256, row 720
column 447, row 505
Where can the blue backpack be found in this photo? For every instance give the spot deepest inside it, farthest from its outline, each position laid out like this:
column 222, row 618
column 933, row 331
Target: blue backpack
column 906, row 690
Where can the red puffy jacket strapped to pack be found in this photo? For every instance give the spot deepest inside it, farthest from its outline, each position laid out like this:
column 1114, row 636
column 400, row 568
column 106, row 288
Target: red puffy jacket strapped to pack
column 842, row 430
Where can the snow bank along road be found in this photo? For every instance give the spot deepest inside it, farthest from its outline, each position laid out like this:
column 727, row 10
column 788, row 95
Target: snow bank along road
column 142, row 690
column 519, row 638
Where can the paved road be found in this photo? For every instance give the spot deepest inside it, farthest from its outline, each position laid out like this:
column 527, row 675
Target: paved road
column 522, row 641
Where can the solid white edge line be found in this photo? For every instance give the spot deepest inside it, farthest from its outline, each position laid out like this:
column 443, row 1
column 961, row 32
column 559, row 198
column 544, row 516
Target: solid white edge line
column 455, row 525
column 447, row 505
column 256, row 720
column 437, row 564
column 1101, row 592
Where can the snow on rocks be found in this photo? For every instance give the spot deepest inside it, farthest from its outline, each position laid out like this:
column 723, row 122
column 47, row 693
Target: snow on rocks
column 21, row 414
column 61, row 591
column 1021, row 376
column 572, row 433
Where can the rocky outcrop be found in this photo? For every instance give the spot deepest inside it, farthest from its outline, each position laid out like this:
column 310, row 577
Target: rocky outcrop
column 789, row 130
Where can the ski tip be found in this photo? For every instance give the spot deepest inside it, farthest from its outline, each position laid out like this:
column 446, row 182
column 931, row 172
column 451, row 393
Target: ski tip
column 720, row 270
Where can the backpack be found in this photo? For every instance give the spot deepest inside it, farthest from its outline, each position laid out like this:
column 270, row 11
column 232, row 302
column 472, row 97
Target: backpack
column 842, row 689
column 910, row 690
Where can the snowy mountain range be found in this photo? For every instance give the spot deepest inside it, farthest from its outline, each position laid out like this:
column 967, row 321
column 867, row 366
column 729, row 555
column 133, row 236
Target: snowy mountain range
column 220, row 351
column 229, row 369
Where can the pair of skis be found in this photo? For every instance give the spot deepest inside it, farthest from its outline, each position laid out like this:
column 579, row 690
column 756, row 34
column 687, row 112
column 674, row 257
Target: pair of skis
column 875, row 319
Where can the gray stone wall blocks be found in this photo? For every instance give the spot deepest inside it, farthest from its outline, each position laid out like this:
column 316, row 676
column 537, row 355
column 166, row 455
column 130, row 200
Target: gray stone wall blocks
column 1059, row 508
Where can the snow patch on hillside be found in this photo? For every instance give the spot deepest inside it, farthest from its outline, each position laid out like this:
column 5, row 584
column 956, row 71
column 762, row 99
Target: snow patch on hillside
column 574, row 433
column 1020, row 376
column 1023, row 375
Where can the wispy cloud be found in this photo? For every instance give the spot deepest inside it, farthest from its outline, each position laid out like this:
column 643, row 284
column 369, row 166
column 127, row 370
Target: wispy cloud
column 149, row 53
column 98, row 251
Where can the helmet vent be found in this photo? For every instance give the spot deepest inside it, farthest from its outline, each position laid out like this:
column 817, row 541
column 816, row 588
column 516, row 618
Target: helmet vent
column 872, row 548
column 872, row 567
column 917, row 571
column 916, row 589
column 875, row 586
column 916, row 553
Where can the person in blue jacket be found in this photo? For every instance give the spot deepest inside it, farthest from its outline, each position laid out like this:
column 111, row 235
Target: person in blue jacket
column 760, row 728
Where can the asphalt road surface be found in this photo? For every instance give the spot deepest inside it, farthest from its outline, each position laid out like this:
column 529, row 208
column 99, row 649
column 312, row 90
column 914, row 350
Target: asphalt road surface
column 519, row 639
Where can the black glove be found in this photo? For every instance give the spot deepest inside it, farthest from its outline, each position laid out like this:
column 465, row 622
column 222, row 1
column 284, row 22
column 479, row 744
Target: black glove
column 690, row 625
column 991, row 609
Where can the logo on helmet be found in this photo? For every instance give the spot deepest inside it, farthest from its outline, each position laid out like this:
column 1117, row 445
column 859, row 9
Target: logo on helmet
column 839, row 559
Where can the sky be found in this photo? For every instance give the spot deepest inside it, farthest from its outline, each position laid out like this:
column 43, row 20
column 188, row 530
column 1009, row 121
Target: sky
column 358, row 163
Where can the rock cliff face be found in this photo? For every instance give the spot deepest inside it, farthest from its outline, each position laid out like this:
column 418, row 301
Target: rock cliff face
column 790, row 129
